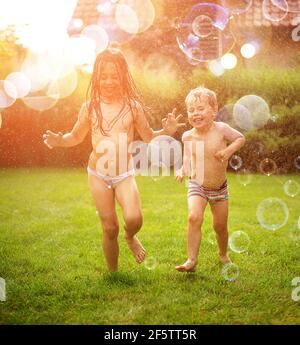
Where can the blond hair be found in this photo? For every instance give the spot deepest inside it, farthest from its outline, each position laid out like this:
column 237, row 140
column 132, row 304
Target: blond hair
column 195, row 94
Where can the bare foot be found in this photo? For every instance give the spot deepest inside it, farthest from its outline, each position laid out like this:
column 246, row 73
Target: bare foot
column 188, row 266
column 136, row 248
column 224, row 259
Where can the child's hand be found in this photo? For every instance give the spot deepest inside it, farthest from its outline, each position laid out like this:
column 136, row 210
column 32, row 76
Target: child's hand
column 52, row 139
column 222, row 155
column 171, row 124
column 179, row 175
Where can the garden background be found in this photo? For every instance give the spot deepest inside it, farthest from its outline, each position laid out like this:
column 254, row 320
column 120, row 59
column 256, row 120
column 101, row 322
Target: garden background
column 50, row 237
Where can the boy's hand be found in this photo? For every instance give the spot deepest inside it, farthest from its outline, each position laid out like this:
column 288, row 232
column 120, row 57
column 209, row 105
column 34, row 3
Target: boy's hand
column 171, row 124
column 222, row 155
column 52, row 139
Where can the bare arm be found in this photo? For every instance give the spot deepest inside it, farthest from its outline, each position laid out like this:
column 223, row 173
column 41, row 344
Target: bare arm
column 73, row 138
column 236, row 140
column 187, row 151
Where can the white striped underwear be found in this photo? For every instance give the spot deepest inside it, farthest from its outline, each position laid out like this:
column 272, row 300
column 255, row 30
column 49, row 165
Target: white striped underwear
column 111, row 181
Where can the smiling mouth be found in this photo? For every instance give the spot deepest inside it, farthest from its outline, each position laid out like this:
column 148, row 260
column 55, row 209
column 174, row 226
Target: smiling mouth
column 197, row 121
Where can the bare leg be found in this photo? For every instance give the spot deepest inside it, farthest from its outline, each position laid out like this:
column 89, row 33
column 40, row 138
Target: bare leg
column 105, row 202
column 220, row 216
column 128, row 197
column 196, row 206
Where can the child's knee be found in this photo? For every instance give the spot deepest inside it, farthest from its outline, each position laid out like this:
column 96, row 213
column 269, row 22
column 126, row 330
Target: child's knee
column 111, row 231
column 195, row 218
column 220, row 227
column 134, row 222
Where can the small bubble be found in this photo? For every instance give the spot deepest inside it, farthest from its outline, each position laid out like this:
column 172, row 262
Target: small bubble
column 291, row 188
column 294, row 233
column 230, row 272
column 244, row 177
column 150, row 263
column 211, row 238
column 239, row 241
column 297, row 162
column 235, row 162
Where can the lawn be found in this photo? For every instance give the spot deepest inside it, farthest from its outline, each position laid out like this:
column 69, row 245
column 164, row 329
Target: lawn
column 53, row 265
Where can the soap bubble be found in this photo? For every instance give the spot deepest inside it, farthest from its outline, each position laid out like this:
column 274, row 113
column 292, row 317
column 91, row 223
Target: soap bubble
column 297, row 162
column 202, row 35
column 268, row 167
column 274, row 10
column 202, row 26
column 237, row 6
column 235, row 162
column 211, row 238
column 230, row 272
column 272, row 213
column 251, row 112
column 150, row 263
column 8, row 93
column 244, row 177
column 291, row 188
column 294, row 233
column 239, row 242
column 165, row 150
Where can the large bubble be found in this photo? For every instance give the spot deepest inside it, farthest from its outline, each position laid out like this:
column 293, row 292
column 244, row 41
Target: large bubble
column 251, row 112
column 272, row 214
column 165, row 150
column 293, row 5
column 237, row 6
column 202, row 35
column 230, row 272
column 21, row 82
column 239, row 241
column 8, row 93
column 98, row 35
column 140, row 14
column 291, row 188
column 275, row 10
column 268, row 166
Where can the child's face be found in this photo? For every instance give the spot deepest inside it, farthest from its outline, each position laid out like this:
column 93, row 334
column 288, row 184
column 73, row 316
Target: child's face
column 200, row 113
column 110, row 84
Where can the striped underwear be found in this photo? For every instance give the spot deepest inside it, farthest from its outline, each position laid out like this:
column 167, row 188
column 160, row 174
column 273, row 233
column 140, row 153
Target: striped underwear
column 111, row 180
column 210, row 195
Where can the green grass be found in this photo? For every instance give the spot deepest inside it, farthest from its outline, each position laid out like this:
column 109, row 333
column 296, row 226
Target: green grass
column 52, row 261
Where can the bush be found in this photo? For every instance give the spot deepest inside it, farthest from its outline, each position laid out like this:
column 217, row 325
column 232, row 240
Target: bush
column 22, row 128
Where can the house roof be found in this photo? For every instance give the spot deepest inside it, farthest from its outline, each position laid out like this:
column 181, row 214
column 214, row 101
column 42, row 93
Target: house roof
column 87, row 11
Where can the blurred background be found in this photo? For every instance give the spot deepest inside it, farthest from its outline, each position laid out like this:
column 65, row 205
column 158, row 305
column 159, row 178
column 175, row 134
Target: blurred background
column 246, row 51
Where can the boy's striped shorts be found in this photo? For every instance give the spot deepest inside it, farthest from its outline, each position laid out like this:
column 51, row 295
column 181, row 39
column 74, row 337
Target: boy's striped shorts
column 210, row 195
